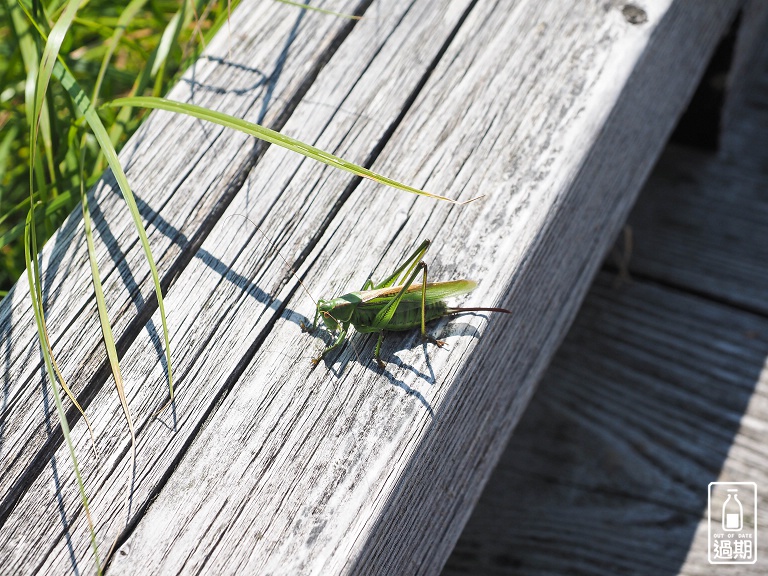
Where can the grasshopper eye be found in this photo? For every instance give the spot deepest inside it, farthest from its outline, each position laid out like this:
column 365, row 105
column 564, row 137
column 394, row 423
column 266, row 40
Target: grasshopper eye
column 330, row 321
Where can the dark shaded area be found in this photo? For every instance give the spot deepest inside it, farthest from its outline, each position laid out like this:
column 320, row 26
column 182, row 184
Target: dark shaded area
column 607, row 472
column 699, row 126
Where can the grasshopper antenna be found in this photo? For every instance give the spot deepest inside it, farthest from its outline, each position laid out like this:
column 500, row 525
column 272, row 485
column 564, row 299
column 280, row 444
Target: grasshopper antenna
column 291, row 269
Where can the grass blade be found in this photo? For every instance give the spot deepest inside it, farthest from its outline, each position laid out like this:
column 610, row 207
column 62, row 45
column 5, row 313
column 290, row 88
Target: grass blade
column 35, row 291
column 155, row 67
column 126, row 16
column 87, row 110
column 321, row 10
column 61, row 201
column 272, row 137
column 50, row 55
column 167, row 41
column 109, row 342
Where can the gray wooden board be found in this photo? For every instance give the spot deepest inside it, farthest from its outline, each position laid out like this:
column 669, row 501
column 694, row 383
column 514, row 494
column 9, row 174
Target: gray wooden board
column 179, row 168
column 701, row 222
column 749, row 57
column 266, row 464
column 656, row 391
column 654, row 394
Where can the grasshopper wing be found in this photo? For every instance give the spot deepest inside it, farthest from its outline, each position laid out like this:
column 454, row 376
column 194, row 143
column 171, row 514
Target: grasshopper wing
column 436, row 291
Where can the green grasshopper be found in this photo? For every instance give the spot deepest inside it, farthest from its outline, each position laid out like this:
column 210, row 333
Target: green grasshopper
column 393, row 307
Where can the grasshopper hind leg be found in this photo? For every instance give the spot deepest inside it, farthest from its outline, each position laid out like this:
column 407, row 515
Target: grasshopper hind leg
column 424, row 334
column 377, row 351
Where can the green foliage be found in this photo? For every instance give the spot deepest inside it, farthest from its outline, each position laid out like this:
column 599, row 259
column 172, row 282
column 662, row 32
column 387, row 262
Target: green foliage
column 138, row 27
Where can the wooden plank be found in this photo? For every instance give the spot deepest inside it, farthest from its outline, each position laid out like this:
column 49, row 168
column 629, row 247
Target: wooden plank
column 749, row 59
column 338, row 81
column 659, row 388
column 257, row 76
column 654, row 394
column 323, row 500
column 701, row 223
column 265, row 463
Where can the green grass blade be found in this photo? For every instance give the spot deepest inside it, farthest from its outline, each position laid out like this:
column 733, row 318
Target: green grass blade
column 50, row 54
column 5, row 157
column 155, row 66
column 38, row 119
column 20, row 21
column 272, row 137
column 33, row 277
column 106, row 328
column 84, row 106
column 59, row 202
column 27, row 47
column 87, row 110
column 109, row 340
column 167, row 41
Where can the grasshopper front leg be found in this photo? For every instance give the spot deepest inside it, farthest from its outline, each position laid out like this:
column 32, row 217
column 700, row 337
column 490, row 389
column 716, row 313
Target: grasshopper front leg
column 310, row 329
column 342, row 335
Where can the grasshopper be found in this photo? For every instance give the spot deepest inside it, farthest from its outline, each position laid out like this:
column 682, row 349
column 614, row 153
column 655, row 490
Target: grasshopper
column 389, row 306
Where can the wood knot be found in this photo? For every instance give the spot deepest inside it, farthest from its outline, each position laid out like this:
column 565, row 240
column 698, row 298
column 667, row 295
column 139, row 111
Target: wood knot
column 634, row 14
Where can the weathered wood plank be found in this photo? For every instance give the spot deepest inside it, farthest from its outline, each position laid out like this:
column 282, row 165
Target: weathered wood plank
column 701, row 225
column 256, row 75
column 325, row 499
column 702, row 221
column 278, row 466
column 654, row 394
column 416, row 34
column 656, row 391
column 747, row 77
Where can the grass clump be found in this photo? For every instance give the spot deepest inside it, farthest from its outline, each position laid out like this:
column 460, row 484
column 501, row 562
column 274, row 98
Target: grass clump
column 107, row 49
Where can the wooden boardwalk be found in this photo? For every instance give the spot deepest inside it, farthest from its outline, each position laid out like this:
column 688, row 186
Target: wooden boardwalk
column 555, row 111
column 660, row 388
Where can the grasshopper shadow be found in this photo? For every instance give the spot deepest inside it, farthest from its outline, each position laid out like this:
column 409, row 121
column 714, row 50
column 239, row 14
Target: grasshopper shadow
column 362, row 349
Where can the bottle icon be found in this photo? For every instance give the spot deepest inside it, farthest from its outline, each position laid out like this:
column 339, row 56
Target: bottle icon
column 733, row 512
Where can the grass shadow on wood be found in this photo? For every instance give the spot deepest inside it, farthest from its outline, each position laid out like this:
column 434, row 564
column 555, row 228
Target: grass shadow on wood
column 185, row 248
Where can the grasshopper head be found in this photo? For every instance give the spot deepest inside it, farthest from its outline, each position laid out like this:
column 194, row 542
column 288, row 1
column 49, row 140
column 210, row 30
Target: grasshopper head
column 325, row 309
column 338, row 311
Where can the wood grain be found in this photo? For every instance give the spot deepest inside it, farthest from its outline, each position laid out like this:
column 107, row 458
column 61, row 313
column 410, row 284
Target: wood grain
column 654, row 394
column 702, row 224
column 660, row 386
column 264, row 464
column 179, row 194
